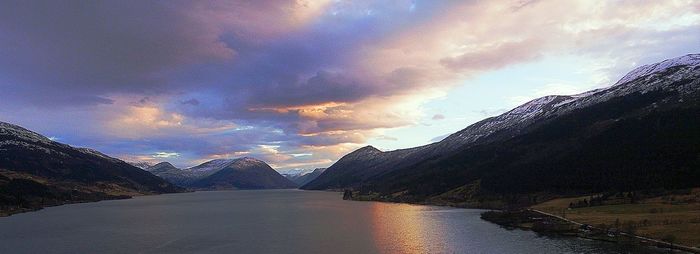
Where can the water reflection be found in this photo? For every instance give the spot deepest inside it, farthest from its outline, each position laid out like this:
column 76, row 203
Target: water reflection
column 401, row 228
column 276, row 221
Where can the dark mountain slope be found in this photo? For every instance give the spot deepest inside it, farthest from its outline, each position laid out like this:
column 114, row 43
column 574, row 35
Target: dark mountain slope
column 348, row 170
column 161, row 167
column 581, row 153
column 28, row 152
column 29, row 160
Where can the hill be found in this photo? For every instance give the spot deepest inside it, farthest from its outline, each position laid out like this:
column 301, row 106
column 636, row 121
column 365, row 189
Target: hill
column 241, row 173
column 36, row 172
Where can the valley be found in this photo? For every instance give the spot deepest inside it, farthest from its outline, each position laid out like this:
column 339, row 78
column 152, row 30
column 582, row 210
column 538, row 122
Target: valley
column 329, row 126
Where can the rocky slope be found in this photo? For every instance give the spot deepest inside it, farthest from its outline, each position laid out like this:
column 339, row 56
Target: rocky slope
column 555, row 142
column 36, row 172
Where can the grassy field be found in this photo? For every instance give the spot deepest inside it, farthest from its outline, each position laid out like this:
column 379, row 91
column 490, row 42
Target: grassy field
column 673, row 218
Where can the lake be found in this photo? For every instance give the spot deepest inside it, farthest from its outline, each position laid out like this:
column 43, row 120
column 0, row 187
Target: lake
column 271, row 221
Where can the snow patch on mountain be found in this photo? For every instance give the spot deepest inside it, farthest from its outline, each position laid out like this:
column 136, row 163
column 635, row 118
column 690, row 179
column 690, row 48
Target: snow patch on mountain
column 687, row 60
column 295, row 172
column 246, row 162
column 95, row 153
column 212, row 165
column 141, row 164
column 19, row 132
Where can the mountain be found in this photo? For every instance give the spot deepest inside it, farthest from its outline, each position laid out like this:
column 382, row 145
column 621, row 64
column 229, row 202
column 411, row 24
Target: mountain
column 242, row 173
column 36, row 172
column 296, row 171
column 161, row 167
column 304, row 177
column 140, row 164
column 172, row 174
column 640, row 133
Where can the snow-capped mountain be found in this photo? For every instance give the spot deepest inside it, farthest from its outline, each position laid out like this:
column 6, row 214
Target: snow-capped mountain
column 643, row 79
column 22, row 133
column 241, row 173
column 674, row 81
column 211, row 166
column 141, row 164
column 172, row 174
column 304, row 176
column 296, row 171
column 687, row 60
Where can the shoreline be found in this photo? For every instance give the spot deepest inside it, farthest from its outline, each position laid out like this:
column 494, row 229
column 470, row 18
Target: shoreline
column 658, row 243
column 565, row 227
column 524, row 219
column 546, row 223
column 8, row 213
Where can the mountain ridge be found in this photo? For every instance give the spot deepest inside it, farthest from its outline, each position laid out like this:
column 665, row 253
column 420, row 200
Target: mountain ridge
column 239, row 173
column 673, row 79
column 38, row 172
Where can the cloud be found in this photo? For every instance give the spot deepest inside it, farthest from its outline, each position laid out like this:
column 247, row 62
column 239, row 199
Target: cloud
column 275, row 78
column 165, row 155
column 193, row 102
column 93, row 48
column 496, row 56
column 385, row 137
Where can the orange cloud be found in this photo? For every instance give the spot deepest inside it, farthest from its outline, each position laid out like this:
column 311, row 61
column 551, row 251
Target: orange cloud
column 149, row 119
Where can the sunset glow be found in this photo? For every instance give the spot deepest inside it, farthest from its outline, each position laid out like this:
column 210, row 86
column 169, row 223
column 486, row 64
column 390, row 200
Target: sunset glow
column 299, row 83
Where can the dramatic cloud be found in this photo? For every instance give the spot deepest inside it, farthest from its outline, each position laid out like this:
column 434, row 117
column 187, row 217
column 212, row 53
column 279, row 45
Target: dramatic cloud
column 494, row 57
column 296, row 83
column 89, row 49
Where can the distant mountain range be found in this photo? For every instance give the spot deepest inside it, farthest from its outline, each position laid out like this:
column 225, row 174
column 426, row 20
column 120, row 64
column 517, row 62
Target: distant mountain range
column 643, row 132
column 304, row 177
column 141, row 164
column 36, row 172
column 241, row 173
column 296, row 171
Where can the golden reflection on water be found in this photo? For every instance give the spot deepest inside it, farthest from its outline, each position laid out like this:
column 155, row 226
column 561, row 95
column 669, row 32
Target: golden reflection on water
column 401, row 228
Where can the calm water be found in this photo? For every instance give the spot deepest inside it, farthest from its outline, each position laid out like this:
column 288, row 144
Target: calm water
column 280, row 221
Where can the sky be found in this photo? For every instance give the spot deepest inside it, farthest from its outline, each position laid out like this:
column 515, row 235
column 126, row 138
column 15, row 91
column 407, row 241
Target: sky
column 299, row 84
